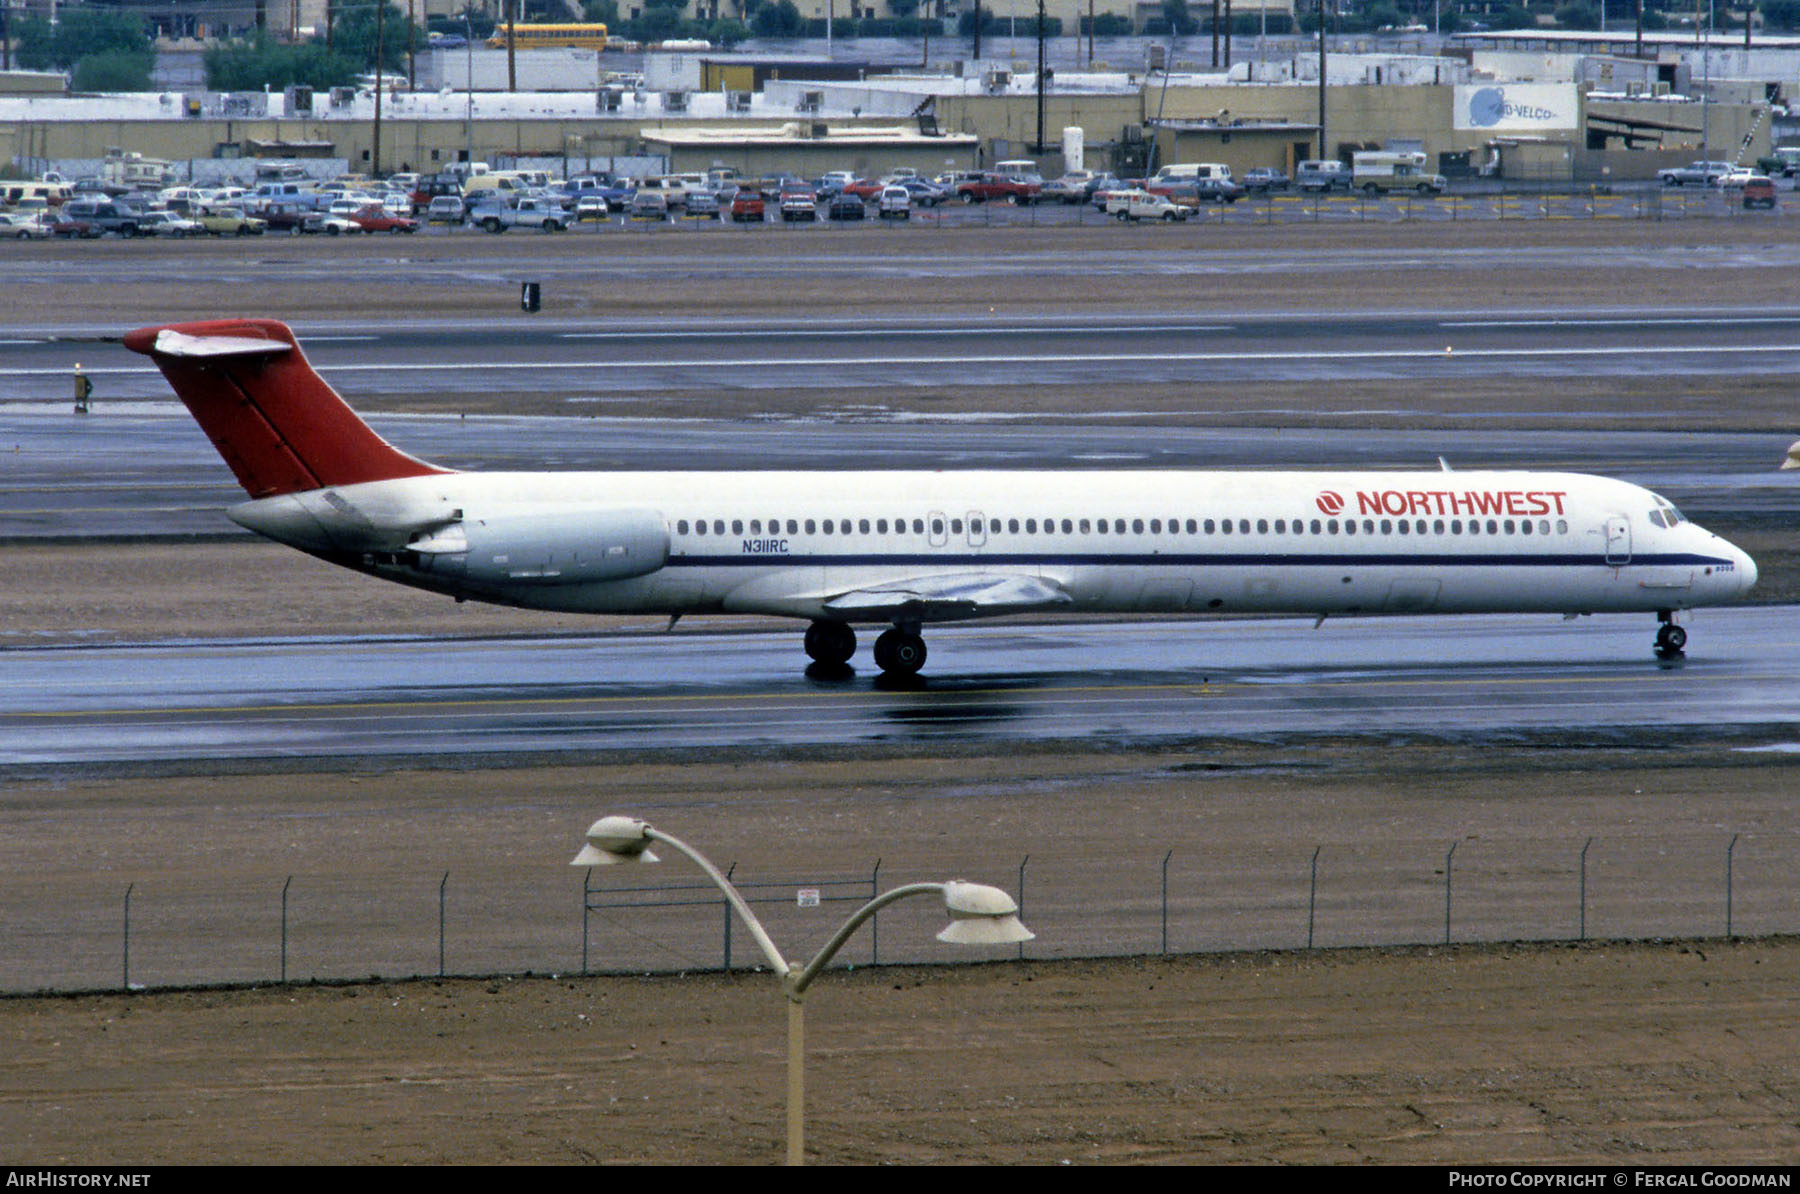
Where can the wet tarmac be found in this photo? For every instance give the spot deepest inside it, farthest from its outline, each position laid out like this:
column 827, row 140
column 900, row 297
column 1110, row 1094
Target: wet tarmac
column 593, row 360
column 1112, row 684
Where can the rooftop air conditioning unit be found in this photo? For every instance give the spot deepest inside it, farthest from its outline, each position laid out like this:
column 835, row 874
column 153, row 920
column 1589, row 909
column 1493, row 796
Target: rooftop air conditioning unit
column 811, row 101
column 737, row 101
column 342, row 97
column 609, row 99
column 675, row 101
column 1659, row 88
column 997, row 80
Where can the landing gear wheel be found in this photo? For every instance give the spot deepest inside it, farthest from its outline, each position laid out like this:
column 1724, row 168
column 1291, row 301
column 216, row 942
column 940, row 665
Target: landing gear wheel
column 830, row 642
column 1670, row 641
column 900, row 651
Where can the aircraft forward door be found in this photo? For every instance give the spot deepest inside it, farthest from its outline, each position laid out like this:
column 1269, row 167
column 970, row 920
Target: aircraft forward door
column 1618, row 542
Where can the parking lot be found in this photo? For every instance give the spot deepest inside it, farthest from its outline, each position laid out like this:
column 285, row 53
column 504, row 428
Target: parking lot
column 1638, row 202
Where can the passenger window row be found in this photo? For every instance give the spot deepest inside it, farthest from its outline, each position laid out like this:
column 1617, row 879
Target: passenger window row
column 1117, row 526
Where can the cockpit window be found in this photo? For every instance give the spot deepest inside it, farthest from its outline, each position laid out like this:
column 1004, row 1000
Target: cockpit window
column 1656, row 518
column 1665, row 514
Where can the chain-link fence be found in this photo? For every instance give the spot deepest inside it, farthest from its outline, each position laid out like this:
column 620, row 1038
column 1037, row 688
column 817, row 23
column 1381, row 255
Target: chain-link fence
column 668, row 918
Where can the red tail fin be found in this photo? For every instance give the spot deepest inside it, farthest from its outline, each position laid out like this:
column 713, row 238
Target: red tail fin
column 277, row 423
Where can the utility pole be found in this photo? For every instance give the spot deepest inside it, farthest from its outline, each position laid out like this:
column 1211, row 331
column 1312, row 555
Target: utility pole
column 1323, row 155
column 512, row 37
column 380, row 36
column 1040, row 77
column 978, row 34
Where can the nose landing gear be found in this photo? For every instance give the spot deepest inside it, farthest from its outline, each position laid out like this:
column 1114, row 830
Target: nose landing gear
column 1670, row 638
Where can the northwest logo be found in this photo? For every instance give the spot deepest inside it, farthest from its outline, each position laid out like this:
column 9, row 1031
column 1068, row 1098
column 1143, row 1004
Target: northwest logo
column 1330, row 503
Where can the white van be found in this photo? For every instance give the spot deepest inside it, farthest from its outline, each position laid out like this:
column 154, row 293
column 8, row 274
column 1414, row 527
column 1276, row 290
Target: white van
column 1191, row 172
column 35, row 193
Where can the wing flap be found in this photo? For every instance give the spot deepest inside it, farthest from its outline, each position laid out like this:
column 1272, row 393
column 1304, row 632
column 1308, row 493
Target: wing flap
column 950, row 597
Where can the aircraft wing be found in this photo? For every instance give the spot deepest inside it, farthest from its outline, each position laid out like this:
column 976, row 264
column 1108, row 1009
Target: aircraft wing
column 944, row 598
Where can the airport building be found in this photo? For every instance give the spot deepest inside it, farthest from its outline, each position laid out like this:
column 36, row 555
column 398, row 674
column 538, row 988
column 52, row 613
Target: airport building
column 1541, row 110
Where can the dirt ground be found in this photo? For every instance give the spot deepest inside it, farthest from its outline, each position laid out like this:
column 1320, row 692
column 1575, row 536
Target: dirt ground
column 1610, row 1055
column 1604, row 1054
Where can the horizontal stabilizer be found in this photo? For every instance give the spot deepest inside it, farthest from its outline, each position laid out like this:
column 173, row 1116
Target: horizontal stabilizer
column 948, row 598
column 171, row 343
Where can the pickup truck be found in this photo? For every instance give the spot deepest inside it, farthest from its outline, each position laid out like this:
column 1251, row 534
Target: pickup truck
column 1020, row 189
column 103, row 215
column 1138, row 204
column 531, row 212
column 1783, row 160
column 1694, row 174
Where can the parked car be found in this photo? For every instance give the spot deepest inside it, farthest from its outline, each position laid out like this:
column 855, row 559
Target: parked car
column 799, row 203
column 923, row 193
column 1215, row 190
column 844, row 207
column 1105, row 188
column 1322, row 176
column 866, row 189
column 170, row 224
column 649, row 205
column 1694, row 174
column 1759, row 192
column 771, row 185
column 592, row 206
column 704, row 204
column 72, row 227
column 25, row 225
column 747, row 206
column 1076, row 186
column 377, row 218
column 1735, row 178
column 1260, row 180
column 325, row 223
column 445, row 209
column 222, row 221
column 894, row 203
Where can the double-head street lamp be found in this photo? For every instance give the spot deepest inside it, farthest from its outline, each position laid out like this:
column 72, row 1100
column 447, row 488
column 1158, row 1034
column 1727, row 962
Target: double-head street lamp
column 979, row 915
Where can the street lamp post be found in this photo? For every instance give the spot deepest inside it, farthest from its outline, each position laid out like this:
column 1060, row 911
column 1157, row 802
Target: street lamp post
column 979, row 915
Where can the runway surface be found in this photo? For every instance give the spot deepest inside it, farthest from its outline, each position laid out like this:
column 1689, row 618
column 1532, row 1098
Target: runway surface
column 1467, row 678
column 589, row 362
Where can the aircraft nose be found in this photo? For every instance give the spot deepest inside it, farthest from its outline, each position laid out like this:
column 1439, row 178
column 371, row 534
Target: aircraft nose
column 1746, row 569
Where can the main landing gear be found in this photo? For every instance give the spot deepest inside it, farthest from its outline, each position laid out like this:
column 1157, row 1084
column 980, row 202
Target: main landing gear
column 899, row 651
column 1670, row 638
column 830, row 643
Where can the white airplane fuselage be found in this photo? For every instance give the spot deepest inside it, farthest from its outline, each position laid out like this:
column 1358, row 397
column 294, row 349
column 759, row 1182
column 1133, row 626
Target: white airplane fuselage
column 788, row 543
column 913, row 548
